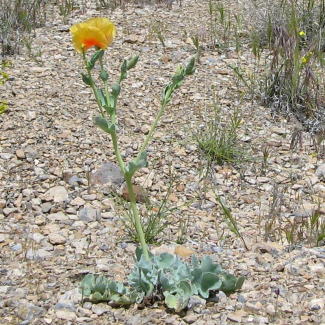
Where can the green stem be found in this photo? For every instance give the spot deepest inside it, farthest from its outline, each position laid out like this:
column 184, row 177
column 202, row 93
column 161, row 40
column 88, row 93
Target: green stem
column 137, row 218
column 134, row 208
column 118, row 154
column 163, row 105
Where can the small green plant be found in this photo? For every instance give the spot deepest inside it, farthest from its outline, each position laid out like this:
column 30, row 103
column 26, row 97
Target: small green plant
column 196, row 43
column 159, row 32
column 306, row 230
column 272, row 227
column 164, row 276
column 66, row 7
column 223, row 26
column 35, row 55
column 266, row 151
column 3, row 74
column 154, row 219
column 231, row 222
column 218, row 139
column 3, row 107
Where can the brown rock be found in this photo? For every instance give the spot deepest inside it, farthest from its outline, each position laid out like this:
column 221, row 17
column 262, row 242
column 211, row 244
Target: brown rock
column 183, row 251
column 20, row 154
column 172, row 197
column 140, row 194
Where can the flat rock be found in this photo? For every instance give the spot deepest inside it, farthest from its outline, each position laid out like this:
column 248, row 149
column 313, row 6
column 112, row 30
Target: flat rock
column 29, row 311
column 184, row 251
column 56, row 239
column 56, row 194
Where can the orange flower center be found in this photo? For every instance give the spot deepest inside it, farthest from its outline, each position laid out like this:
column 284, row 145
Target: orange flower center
column 91, row 42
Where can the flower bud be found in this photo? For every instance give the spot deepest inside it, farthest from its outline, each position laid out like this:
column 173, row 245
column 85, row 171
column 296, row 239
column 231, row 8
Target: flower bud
column 116, row 88
column 86, row 79
column 131, row 64
column 103, row 75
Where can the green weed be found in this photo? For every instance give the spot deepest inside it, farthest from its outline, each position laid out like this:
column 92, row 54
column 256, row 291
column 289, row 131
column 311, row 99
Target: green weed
column 218, row 139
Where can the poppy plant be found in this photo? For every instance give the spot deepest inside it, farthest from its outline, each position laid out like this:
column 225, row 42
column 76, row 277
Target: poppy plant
column 99, row 32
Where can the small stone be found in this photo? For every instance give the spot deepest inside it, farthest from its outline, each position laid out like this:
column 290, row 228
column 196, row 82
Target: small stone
column 32, row 153
column 320, row 171
column 89, row 214
column 65, row 304
column 20, row 154
column 317, row 304
column 237, row 316
column 59, row 216
column 78, row 201
column 75, row 179
column 196, row 302
column 145, row 129
column 2, row 203
column 56, row 194
column 29, row 311
column 100, row 309
column 66, row 315
column 89, row 197
column 56, row 239
column 46, row 207
column 6, row 155
column 279, row 131
column 190, row 319
column 172, row 197
column 183, row 251
column 7, row 211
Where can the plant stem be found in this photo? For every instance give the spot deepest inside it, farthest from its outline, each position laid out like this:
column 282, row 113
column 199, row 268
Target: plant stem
column 163, row 105
column 118, row 154
column 137, row 218
column 93, row 86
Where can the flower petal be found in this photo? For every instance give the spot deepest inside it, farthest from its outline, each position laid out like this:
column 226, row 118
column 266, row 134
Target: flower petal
column 86, row 36
column 105, row 25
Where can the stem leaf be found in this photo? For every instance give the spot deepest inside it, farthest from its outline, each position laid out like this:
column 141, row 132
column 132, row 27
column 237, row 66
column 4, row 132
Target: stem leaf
column 105, row 125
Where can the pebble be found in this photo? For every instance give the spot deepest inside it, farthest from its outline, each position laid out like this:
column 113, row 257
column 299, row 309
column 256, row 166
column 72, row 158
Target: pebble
column 89, row 197
column 57, row 194
column 20, row 154
column 89, row 214
column 56, row 239
column 46, row 207
column 66, row 315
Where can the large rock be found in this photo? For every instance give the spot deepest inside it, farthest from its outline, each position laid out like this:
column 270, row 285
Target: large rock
column 108, row 173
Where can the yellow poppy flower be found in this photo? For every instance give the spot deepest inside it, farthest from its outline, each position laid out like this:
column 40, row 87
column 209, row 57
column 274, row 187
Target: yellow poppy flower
column 302, row 33
column 98, row 32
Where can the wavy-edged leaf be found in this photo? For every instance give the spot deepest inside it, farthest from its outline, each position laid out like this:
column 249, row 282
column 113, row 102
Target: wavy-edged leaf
column 207, row 265
column 209, row 281
column 87, row 284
